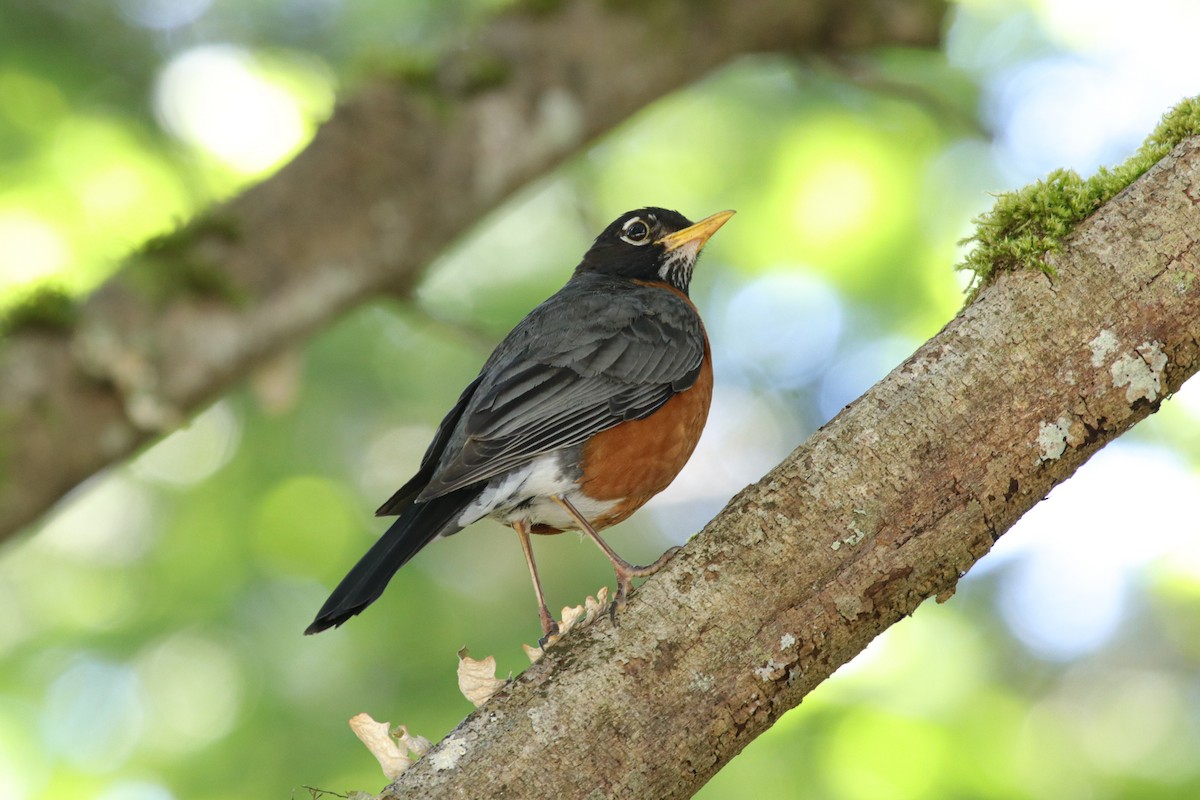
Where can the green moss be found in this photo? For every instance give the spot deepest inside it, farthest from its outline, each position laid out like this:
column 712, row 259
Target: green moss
column 538, row 6
column 626, row 5
column 430, row 76
column 169, row 266
column 1030, row 223
column 44, row 308
column 415, row 71
column 484, row 72
column 213, row 224
column 161, row 279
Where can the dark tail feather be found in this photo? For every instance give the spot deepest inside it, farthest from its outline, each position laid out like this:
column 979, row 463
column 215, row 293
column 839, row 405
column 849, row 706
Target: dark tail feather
column 416, row 527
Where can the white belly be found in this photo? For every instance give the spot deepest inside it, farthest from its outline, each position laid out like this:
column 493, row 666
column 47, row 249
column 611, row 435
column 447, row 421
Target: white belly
column 525, row 494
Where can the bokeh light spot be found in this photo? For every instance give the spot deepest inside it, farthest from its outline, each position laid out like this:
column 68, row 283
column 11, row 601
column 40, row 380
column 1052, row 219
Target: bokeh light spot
column 217, row 98
column 194, row 687
column 394, row 455
column 783, row 328
column 1131, row 721
column 1073, row 557
column 303, row 526
column 93, row 716
column 104, row 522
column 877, row 756
column 24, row 766
column 193, row 453
column 30, row 248
column 840, row 191
column 163, row 14
column 837, row 199
column 31, row 104
column 136, row 790
column 856, row 371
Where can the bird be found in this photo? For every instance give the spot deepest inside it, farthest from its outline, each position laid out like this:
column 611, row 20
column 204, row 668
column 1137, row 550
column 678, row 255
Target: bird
column 589, row 407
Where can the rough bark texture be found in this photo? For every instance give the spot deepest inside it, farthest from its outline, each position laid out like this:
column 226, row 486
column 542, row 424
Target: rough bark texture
column 887, row 505
column 401, row 170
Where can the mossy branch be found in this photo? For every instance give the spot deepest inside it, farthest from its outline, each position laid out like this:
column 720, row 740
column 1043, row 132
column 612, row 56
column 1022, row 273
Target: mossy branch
column 46, row 308
column 1028, row 224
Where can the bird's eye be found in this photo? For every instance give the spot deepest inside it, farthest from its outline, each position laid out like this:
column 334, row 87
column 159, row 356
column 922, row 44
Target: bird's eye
column 636, row 231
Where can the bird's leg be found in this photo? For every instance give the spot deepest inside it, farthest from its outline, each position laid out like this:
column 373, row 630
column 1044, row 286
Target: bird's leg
column 549, row 626
column 625, row 571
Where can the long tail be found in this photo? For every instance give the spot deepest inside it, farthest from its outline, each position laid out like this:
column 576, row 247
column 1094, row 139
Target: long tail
column 416, row 527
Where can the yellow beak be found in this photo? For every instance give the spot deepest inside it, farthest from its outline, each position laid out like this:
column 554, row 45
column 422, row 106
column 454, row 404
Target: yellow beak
column 698, row 233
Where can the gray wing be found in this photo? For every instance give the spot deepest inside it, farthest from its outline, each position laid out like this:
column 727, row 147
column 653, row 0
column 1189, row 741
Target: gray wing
column 587, row 359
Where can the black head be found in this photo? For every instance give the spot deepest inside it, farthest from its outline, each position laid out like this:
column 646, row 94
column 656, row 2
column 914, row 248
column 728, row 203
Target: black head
column 651, row 244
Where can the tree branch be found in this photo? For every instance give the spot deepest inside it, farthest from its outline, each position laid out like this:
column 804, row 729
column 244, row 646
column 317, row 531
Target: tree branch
column 402, row 169
column 887, row 505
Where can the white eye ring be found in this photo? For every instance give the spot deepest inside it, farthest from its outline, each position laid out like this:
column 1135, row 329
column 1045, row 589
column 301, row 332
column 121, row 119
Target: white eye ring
column 636, row 231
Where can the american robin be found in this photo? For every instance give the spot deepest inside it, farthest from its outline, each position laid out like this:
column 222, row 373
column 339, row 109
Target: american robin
column 586, row 410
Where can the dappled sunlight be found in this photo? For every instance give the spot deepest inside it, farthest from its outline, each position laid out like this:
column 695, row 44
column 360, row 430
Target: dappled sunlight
column 304, row 525
column 31, row 248
column 838, row 200
column 193, row 688
column 94, row 715
column 105, row 522
column 781, row 329
column 394, row 455
column 858, row 369
column 194, row 452
column 163, row 15
column 92, row 185
column 840, row 190
column 92, row 192
column 1070, row 564
column 217, row 98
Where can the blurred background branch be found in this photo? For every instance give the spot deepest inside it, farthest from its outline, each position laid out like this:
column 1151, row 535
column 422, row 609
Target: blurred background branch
column 403, row 167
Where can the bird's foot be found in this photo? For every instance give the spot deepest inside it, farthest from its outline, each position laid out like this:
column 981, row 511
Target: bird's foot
column 624, row 586
column 650, row 569
column 549, row 627
column 626, row 572
column 572, row 617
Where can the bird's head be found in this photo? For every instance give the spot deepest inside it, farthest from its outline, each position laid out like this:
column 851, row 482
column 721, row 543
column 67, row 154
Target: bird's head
column 651, row 244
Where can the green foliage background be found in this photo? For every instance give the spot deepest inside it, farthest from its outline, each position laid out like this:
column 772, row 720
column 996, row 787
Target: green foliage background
column 150, row 641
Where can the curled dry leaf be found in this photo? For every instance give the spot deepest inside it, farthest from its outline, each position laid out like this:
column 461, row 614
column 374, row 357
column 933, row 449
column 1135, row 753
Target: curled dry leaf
column 417, row 746
column 532, row 653
column 572, row 617
column 378, row 739
column 595, row 606
column 477, row 679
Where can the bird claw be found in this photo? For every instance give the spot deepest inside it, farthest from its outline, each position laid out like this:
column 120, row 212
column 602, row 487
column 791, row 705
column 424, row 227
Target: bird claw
column 624, row 586
column 625, row 576
column 549, row 631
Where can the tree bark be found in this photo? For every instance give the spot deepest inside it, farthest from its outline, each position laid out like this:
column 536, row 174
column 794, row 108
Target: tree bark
column 401, row 169
column 887, row 505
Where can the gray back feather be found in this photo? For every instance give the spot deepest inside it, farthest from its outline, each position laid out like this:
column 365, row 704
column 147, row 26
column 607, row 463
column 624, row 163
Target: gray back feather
column 601, row 351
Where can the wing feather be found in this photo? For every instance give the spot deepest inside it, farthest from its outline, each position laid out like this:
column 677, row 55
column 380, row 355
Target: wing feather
column 585, row 360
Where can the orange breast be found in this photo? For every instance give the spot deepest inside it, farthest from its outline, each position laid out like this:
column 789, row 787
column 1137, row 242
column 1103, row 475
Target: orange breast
column 636, row 460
